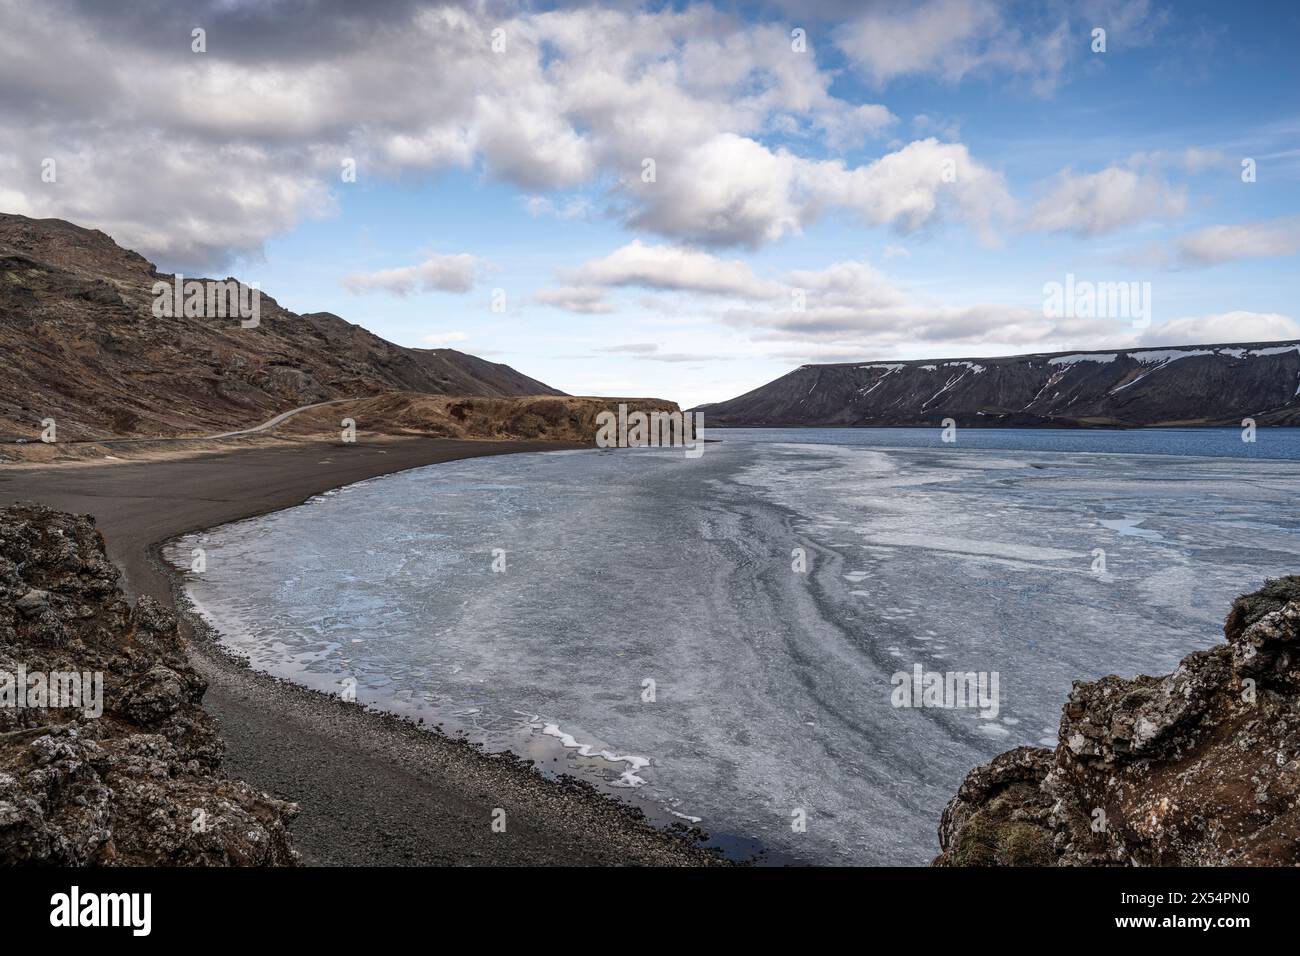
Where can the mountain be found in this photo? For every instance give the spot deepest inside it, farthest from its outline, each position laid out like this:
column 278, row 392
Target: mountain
column 80, row 343
column 1187, row 385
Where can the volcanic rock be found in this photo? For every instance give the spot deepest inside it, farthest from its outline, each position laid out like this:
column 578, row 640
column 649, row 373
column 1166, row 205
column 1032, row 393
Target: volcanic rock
column 139, row 784
column 1200, row 767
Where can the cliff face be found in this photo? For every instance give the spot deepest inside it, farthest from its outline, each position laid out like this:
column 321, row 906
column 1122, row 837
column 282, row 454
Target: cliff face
column 1192, row 385
column 138, row 783
column 1197, row 768
column 79, row 343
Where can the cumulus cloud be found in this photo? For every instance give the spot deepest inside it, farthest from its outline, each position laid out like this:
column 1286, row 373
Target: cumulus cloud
column 197, row 158
column 454, row 273
column 198, row 206
column 910, row 187
column 735, row 191
column 1099, row 203
column 1252, row 240
column 852, row 285
column 728, row 190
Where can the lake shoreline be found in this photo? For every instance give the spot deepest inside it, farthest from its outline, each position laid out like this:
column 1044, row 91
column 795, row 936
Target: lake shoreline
column 373, row 789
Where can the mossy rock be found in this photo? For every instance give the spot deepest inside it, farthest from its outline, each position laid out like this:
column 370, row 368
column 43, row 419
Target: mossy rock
column 986, row 841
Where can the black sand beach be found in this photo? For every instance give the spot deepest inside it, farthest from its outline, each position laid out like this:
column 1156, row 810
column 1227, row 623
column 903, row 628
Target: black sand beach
column 372, row 789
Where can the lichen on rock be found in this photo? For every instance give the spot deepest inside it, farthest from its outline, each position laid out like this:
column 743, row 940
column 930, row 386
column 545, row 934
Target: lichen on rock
column 140, row 784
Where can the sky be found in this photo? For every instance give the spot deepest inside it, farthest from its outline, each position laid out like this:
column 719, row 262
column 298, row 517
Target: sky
column 684, row 200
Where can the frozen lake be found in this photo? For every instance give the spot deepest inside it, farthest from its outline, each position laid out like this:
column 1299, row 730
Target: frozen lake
column 770, row 590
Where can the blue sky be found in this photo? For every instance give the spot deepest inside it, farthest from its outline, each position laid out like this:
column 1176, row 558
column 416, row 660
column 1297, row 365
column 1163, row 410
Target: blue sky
column 818, row 171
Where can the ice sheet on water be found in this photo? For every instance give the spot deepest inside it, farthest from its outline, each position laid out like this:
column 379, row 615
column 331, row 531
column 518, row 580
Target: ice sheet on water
column 772, row 689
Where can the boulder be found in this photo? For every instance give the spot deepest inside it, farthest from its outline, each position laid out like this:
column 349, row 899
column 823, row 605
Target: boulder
column 1200, row 767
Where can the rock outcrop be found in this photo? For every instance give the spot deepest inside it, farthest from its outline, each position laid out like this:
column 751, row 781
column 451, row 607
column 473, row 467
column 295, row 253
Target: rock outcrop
column 546, row 417
column 1188, row 385
column 1197, row 768
column 138, row 783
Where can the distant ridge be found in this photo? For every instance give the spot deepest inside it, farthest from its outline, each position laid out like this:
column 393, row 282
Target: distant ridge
column 1183, row 385
column 79, row 343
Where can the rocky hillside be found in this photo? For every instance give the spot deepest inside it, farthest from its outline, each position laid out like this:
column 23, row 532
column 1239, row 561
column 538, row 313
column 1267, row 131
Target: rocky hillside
column 79, row 343
column 1197, row 768
column 1191, row 385
column 139, row 784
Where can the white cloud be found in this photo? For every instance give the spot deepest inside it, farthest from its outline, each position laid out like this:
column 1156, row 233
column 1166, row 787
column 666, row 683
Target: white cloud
column 851, row 127
column 676, row 269
column 941, row 330
column 732, row 190
column 727, row 190
column 939, row 35
column 454, row 273
column 200, row 205
column 853, row 308
column 951, row 39
column 912, row 186
column 198, row 159
column 852, row 305
column 854, row 285
column 1252, row 240
column 1223, row 327
column 1103, row 202
column 586, row 300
